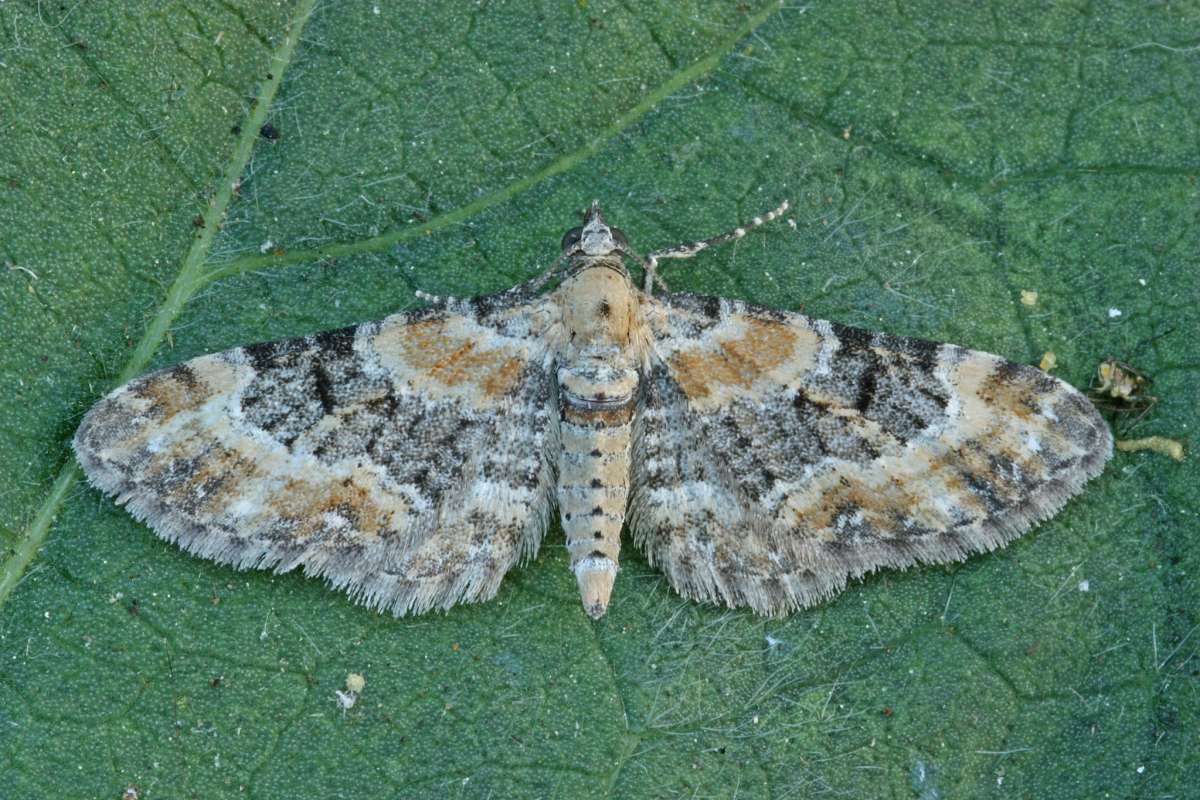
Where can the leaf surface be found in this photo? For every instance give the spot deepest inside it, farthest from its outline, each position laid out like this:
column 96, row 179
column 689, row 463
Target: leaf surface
column 196, row 176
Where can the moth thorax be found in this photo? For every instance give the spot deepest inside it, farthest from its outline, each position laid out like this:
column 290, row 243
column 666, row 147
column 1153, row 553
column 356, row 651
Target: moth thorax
column 600, row 305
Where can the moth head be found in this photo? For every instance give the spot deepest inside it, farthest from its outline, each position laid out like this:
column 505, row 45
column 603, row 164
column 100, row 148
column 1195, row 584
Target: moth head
column 594, row 237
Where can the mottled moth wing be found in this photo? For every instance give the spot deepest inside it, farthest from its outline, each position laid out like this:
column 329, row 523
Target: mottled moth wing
column 778, row 456
column 404, row 460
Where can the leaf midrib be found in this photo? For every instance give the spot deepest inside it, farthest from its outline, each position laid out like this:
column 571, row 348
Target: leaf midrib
column 187, row 282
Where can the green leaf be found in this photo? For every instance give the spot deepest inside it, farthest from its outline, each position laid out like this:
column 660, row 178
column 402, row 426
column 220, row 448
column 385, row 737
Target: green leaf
column 938, row 163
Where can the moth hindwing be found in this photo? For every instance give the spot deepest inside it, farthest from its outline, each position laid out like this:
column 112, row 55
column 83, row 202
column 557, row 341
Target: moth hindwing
column 759, row 457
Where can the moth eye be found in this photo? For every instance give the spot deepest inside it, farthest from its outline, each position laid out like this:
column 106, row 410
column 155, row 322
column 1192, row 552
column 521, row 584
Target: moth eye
column 571, row 238
column 618, row 236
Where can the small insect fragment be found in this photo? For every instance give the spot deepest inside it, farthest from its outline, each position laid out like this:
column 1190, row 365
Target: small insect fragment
column 1120, row 388
column 1118, row 381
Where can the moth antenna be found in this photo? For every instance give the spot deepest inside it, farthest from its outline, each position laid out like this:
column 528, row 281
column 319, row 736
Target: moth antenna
column 650, row 263
column 440, row 301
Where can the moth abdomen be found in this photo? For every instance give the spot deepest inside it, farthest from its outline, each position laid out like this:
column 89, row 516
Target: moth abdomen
column 596, row 427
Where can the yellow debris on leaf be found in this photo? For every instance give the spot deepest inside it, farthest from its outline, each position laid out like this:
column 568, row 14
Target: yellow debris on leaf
column 1158, row 444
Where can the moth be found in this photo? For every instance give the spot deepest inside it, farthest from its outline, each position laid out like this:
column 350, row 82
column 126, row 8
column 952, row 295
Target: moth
column 758, row 457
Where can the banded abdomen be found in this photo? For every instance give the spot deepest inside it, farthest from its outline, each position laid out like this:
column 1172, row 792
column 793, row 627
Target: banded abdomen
column 596, row 404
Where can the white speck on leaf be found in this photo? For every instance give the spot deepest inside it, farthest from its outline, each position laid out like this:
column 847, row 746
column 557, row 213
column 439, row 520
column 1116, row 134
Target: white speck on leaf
column 345, row 700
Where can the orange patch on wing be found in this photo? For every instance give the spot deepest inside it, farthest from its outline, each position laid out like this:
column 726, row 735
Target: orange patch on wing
column 230, row 472
column 172, row 392
column 947, row 470
column 761, row 347
column 1031, row 464
column 1005, row 394
column 308, row 502
column 1018, row 398
column 444, row 356
column 218, row 472
column 502, row 379
column 974, row 459
column 842, row 492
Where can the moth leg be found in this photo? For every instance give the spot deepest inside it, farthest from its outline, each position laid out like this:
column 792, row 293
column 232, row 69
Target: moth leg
column 650, row 269
column 534, row 284
column 650, row 262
